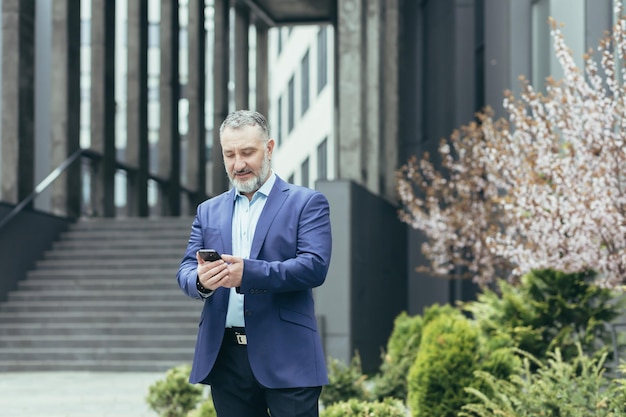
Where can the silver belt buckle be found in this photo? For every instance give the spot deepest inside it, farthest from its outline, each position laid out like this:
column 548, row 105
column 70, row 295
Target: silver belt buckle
column 241, row 339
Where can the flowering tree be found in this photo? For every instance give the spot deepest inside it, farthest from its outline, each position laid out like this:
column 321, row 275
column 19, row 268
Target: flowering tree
column 544, row 189
column 457, row 206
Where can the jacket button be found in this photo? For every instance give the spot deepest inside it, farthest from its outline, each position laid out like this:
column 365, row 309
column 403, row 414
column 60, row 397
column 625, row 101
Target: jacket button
column 247, row 313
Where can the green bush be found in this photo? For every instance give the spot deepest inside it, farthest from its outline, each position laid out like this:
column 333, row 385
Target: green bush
column 545, row 310
column 205, row 409
column 556, row 389
column 402, row 348
column 174, row 396
column 356, row 408
column 444, row 366
column 345, row 382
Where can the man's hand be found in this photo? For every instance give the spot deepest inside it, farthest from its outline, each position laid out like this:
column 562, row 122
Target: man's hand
column 210, row 273
column 235, row 271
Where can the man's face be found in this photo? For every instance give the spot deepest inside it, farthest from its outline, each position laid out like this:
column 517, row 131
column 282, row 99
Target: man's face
column 246, row 157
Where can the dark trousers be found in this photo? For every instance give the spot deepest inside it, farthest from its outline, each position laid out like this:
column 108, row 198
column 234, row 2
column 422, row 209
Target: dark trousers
column 237, row 393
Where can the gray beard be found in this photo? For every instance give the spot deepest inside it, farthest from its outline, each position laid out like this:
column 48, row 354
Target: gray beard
column 253, row 184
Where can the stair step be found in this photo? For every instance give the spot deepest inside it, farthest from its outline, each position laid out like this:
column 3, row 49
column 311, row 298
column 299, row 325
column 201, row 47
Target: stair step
column 146, row 252
column 86, row 295
column 110, row 317
column 97, row 341
column 129, row 243
column 100, row 365
column 106, row 353
column 100, row 284
column 136, row 329
column 100, row 305
column 103, row 298
column 46, row 265
column 131, row 233
column 148, row 271
column 123, row 223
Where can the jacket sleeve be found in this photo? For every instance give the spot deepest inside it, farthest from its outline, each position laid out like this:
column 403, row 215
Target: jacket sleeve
column 313, row 246
column 187, row 271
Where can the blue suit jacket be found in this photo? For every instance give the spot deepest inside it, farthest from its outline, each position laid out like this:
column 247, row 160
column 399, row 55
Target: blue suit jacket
column 290, row 255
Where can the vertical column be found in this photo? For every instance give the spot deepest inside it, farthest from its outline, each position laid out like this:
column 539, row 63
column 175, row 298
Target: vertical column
column 349, row 87
column 221, row 60
column 65, row 104
column 262, row 91
column 196, row 93
column 373, row 96
column 137, row 148
column 18, row 117
column 464, row 53
column 390, row 110
column 103, row 105
column 169, row 135
column 242, row 61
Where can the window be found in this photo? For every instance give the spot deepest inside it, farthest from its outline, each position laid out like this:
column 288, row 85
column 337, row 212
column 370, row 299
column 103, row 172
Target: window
column 154, row 35
column 290, row 106
column 85, row 32
column 279, row 38
column 322, row 160
column 540, row 43
column 304, row 173
column 322, row 58
column 304, row 82
column 279, row 121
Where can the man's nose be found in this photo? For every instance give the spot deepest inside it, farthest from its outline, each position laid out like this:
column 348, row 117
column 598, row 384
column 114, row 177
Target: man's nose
column 240, row 163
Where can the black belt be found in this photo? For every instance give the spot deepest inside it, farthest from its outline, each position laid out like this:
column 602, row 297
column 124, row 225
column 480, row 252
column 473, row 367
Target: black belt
column 235, row 335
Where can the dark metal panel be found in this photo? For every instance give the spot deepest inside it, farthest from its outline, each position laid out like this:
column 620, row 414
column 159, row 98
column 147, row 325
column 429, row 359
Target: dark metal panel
column 23, row 242
column 367, row 276
column 289, row 12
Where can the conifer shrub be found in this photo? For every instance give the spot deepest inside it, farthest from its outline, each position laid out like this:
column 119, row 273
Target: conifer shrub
column 357, row 408
column 345, row 382
column 545, row 310
column 402, row 348
column 444, row 366
column 204, row 409
column 174, row 396
column 550, row 388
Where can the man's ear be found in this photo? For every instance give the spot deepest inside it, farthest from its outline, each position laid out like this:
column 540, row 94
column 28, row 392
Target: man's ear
column 270, row 146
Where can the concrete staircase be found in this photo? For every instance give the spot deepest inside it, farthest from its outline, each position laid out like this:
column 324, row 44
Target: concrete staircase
column 104, row 298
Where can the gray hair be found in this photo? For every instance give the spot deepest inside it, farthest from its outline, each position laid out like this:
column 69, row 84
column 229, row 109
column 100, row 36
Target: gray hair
column 241, row 118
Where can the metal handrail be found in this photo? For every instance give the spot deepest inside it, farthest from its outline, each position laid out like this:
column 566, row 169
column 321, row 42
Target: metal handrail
column 42, row 186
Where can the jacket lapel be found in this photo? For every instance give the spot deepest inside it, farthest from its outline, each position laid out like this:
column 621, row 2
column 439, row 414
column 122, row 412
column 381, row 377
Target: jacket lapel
column 275, row 200
column 226, row 223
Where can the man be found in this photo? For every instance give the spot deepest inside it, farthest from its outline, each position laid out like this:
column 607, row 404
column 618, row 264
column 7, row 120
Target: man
column 258, row 345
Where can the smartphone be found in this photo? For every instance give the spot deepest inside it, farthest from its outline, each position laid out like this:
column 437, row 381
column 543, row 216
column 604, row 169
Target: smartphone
column 209, row 255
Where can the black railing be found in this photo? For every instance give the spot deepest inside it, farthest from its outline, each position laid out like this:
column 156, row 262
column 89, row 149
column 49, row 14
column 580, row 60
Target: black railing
column 94, row 158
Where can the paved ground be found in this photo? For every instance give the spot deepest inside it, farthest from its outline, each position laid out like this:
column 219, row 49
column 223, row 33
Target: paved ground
column 76, row 394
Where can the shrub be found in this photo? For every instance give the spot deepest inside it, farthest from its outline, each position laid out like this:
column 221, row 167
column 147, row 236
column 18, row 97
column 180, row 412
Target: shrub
column 356, row 408
column 174, row 396
column 545, row 310
column 402, row 348
column 205, row 409
column 557, row 389
column 345, row 382
column 443, row 367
